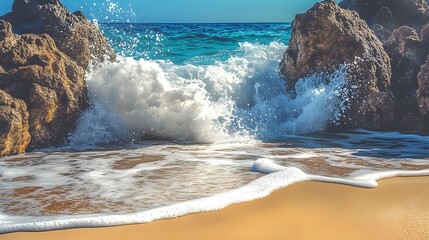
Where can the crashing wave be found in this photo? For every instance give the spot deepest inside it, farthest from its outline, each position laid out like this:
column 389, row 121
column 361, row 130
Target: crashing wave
column 242, row 96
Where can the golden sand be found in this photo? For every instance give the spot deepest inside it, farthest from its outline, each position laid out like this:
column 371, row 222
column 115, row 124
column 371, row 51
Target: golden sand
column 397, row 209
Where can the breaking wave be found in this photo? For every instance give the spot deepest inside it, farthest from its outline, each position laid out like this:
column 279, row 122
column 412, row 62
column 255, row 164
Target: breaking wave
column 240, row 98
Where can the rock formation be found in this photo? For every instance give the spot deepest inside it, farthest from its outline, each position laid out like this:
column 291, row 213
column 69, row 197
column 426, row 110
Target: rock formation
column 423, row 91
column 390, row 14
column 326, row 37
column 407, row 54
column 51, row 84
column 44, row 53
column 14, row 133
column 402, row 26
column 73, row 34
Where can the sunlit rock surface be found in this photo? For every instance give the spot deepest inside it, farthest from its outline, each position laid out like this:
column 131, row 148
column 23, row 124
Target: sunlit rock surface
column 51, row 84
column 73, row 34
column 14, row 133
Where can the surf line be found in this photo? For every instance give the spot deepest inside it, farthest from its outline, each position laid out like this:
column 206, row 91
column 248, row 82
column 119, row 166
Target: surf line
column 277, row 177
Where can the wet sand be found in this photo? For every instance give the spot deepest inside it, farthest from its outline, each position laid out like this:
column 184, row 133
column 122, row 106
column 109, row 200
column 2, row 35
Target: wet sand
column 397, row 209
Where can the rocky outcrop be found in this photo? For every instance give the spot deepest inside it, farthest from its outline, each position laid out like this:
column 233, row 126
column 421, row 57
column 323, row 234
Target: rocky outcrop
column 326, row 37
column 423, row 91
column 390, row 14
column 424, row 36
column 73, row 34
column 44, row 53
column 402, row 26
column 14, row 129
column 407, row 53
column 51, row 84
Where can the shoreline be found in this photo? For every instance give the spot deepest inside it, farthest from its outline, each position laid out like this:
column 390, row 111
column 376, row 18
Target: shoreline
column 397, row 209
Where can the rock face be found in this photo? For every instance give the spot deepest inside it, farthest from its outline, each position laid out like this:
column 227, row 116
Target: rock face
column 407, row 54
column 73, row 34
column 402, row 26
column 44, row 53
column 390, row 13
column 326, row 37
column 50, row 83
column 423, row 91
column 14, row 133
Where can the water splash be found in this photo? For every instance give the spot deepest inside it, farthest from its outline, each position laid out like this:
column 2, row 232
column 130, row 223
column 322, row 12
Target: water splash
column 107, row 11
column 240, row 98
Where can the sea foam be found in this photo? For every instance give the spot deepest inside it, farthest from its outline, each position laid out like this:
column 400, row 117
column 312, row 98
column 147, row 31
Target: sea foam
column 242, row 97
column 256, row 189
column 278, row 178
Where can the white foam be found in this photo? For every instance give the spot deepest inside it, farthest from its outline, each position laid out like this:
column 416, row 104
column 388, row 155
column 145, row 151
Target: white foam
column 240, row 98
column 302, row 155
column 265, row 165
column 142, row 101
column 366, row 179
column 278, row 178
column 257, row 189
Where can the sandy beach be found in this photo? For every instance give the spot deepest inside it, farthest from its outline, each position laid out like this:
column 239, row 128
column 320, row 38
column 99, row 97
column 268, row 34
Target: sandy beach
column 397, row 209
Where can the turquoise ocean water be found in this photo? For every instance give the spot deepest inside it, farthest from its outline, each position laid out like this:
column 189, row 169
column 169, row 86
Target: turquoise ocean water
column 191, row 43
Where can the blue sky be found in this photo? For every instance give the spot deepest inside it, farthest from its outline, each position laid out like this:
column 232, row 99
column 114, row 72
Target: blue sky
column 179, row 11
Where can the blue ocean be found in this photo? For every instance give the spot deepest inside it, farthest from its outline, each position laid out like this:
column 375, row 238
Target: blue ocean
column 192, row 43
column 191, row 118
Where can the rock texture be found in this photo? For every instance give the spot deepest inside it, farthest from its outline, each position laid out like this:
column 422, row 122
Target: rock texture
column 14, row 129
column 423, row 91
column 403, row 27
column 407, row 54
column 73, row 34
column 390, row 13
column 44, row 53
column 51, row 84
column 326, row 37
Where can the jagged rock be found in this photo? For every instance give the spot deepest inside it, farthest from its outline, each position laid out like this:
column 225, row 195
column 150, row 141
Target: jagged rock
column 399, row 24
column 43, row 64
column 407, row 55
column 74, row 35
column 14, row 133
column 326, row 37
column 423, row 92
column 424, row 36
column 391, row 14
column 51, row 84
